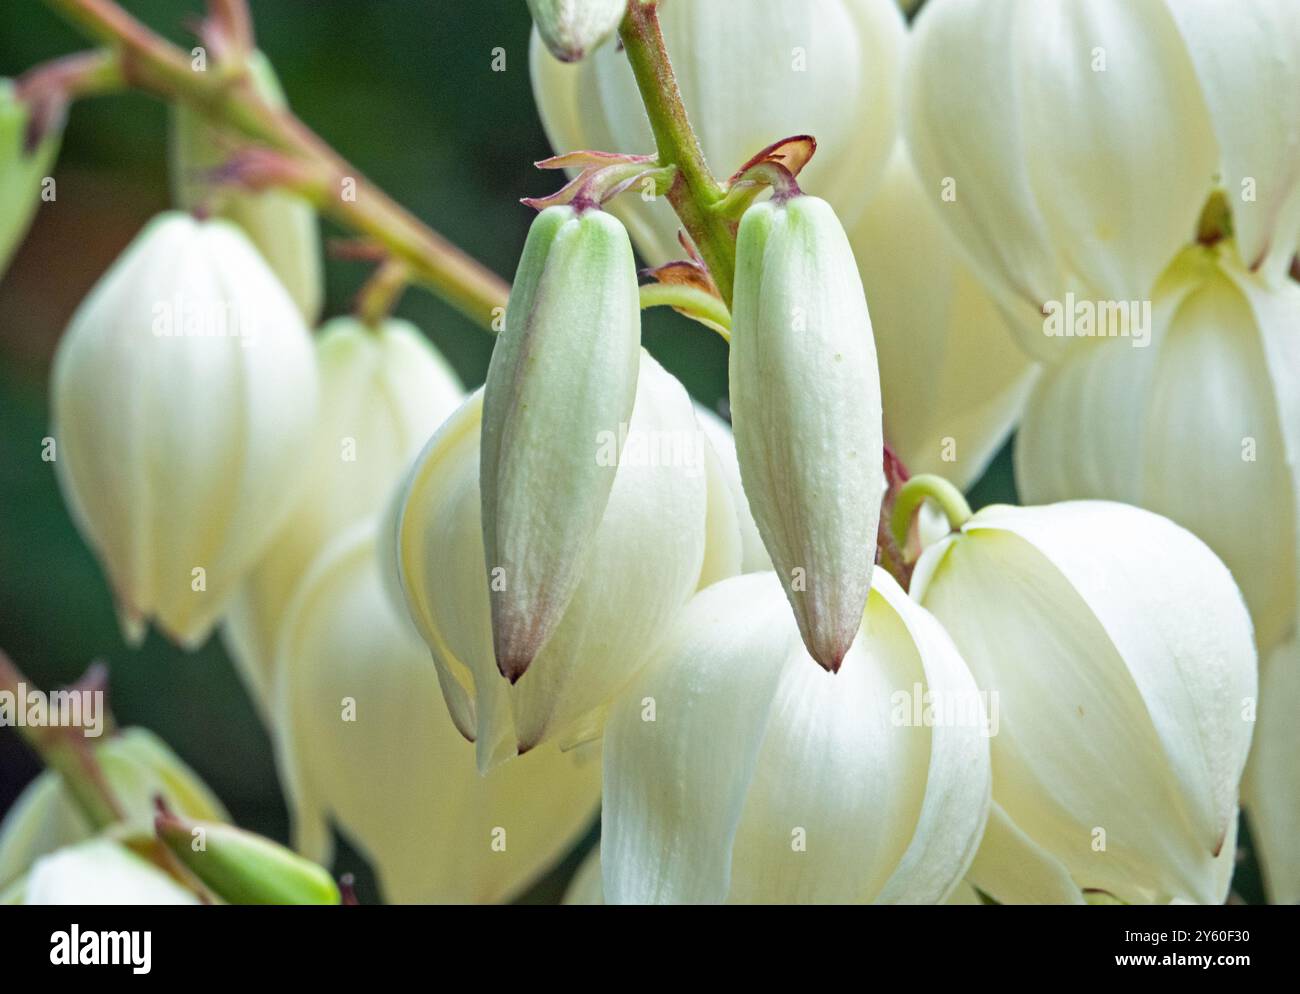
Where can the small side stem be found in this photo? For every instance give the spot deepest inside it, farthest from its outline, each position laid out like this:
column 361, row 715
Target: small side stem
column 915, row 492
column 694, row 302
column 152, row 64
column 694, row 189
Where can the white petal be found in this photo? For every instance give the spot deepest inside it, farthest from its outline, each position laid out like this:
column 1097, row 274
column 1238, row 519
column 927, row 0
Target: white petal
column 1013, row 869
column 951, row 375
column 1248, row 72
column 100, row 871
column 963, row 125
column 1271, row 789
column 399, row 779
column 1119, row 148
column 754, row 557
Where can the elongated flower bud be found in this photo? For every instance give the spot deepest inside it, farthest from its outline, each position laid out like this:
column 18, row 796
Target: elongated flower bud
column 563, row 377
column 244, row 868
column 1119, row 656
column 830, row 68
column 282, row 225
column 805, row 403
column 184, row 394
column 383, row 392
column 21, row 171
column 737, row 771
column 97, row 871
column 572, row 28
column 363, row 738
column 644, row 563
column 138, row 768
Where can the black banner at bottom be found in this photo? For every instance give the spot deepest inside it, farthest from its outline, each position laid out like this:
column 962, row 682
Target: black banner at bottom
column 342, row 945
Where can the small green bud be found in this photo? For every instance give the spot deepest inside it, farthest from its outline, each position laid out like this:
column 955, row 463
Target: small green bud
column 243, row 868
column 21, row 171
column 572, row 28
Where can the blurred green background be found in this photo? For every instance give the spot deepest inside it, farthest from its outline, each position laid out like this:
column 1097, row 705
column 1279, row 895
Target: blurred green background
column 405, row 90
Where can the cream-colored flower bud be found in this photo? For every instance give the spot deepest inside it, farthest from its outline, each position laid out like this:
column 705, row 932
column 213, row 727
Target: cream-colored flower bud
column 644, row 562
column 282, row 225
column 184, row 394
column 383, row 392
column 805, row 404
column 953, row 382
column 737, row 771
column 829, row 68
column 562, row 379
column 362, row 735
column 95, row 872
column 1119, row 657
column 572, row 28
column 21, row 171
column 138, row 767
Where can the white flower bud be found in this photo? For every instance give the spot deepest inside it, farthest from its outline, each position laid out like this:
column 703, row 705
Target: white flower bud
column 736, row 771
column 383, row 392
column 282, row 225
column 805, row 402
column 562, row 380
column 363, row 737
column 184, row 395
column 573, row 28
column 1119, row 656
column 829, row 68
column 21, row 172
column 643, row 563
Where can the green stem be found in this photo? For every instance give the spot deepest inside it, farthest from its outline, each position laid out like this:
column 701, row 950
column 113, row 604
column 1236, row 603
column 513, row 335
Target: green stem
column 68, row 752
column 153, row 65
column 694, row 302
column 915, row 492
column 694, row 190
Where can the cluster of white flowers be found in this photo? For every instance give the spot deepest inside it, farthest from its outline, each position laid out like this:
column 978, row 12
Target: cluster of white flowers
column 467, row 627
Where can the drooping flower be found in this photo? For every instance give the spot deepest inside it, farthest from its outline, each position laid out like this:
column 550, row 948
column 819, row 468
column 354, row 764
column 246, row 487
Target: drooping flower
column 184, row 396
column 829, row 68
column 735, row 771
column 805, row 403
column 643, row 563
column 383, row 392
column 1072, row 147
column 363, row 738
column 1119, row 657
column 282, row 225
column 563, row 378
column 1202, row 425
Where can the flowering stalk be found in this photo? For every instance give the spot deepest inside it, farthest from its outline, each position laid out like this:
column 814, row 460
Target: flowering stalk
column 694, row 190
column 153, row 65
